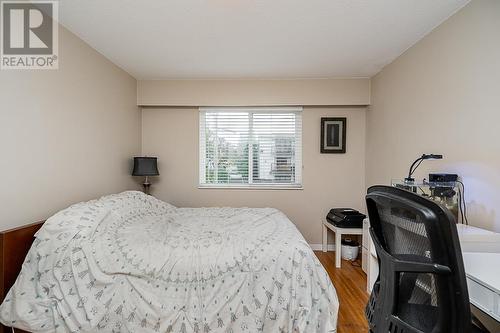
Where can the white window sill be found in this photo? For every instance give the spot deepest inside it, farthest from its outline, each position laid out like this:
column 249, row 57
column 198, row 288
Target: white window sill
column 251, row 187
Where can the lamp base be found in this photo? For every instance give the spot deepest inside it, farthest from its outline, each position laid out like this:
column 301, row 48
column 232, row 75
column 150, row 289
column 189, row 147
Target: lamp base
column 146, row 185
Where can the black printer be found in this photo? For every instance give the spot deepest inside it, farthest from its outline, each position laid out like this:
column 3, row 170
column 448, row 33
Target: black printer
column 346, row 218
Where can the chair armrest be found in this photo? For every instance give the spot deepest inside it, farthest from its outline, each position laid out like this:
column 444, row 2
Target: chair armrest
column 419, row 267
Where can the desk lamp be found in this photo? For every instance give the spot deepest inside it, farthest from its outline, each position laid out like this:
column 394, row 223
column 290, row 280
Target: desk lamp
column 146, row 167
column 417, row 162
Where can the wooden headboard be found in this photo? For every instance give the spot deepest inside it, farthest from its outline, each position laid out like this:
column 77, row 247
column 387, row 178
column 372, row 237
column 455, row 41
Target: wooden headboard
column 14, row 245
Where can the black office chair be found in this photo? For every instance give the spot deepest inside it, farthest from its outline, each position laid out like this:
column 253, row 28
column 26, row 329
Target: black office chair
column 421, row 285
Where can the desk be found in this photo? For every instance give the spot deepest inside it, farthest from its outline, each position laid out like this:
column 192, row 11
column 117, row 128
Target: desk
column 481, row 255
column 483, row 281
column 338, row 238
column 474, row 239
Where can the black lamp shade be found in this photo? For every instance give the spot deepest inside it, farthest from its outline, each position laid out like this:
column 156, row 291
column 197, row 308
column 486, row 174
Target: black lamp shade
column 145, row 166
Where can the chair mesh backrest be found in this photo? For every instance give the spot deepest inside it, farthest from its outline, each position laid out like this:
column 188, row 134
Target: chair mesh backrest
column 404, row 232
column 409, row 233
column 406, row 237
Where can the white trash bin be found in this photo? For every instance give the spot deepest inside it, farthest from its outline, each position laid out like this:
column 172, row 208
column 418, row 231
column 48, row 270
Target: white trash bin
column 350, row 249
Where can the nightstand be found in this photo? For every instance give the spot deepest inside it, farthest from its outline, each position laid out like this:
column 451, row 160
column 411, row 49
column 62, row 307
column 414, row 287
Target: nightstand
column 338, row 238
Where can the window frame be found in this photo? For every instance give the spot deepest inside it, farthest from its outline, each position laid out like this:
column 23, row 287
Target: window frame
column 250, row 185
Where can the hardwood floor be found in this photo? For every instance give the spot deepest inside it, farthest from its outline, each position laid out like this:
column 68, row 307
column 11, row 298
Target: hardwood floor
column 350, row 282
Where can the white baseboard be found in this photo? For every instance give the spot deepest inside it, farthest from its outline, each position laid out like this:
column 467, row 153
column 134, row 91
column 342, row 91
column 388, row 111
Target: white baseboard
column 319, row 247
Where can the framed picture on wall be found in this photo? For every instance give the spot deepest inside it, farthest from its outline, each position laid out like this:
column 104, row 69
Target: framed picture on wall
column 333, row 135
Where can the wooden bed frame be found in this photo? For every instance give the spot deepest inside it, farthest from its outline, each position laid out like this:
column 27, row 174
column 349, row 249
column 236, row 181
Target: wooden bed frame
column 14, row 245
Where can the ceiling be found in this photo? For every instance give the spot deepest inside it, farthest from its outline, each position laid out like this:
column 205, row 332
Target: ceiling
column 240, row 39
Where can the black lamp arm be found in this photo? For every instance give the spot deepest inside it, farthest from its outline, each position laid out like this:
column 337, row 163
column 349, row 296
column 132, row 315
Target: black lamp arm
column 419, row 160
column 411, row 171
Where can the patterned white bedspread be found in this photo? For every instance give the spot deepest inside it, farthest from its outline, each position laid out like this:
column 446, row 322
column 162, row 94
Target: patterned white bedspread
column 131, row 263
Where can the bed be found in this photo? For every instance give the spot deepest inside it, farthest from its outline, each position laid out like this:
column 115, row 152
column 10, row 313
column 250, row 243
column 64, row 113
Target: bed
column 132, row 263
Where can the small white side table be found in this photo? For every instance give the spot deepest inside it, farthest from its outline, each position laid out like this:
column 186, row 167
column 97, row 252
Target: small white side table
column 338, row 238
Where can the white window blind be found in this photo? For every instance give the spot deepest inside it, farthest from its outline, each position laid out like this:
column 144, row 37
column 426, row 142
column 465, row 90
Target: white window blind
column 251, row 147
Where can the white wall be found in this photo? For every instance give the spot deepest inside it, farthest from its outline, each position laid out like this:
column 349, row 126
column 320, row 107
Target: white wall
column 317, row 92
column 442, row 96
column 330, row 180
column 66, row 135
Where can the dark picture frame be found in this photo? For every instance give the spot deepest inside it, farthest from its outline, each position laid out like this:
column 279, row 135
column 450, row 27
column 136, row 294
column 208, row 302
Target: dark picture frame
column 333, row 135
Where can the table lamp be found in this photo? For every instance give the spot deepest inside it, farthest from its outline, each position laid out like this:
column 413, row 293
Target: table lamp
column 145, row 167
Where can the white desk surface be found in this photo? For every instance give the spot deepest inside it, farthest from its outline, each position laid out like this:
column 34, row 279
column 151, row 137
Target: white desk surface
column 471, row 232
column 473, row 239
column 483, row 268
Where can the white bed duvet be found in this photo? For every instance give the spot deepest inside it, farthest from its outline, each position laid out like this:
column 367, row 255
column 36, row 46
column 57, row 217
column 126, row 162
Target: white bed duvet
column 131, row 263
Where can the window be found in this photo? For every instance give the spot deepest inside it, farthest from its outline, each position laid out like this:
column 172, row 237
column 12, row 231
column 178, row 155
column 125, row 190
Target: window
column 251, row 147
